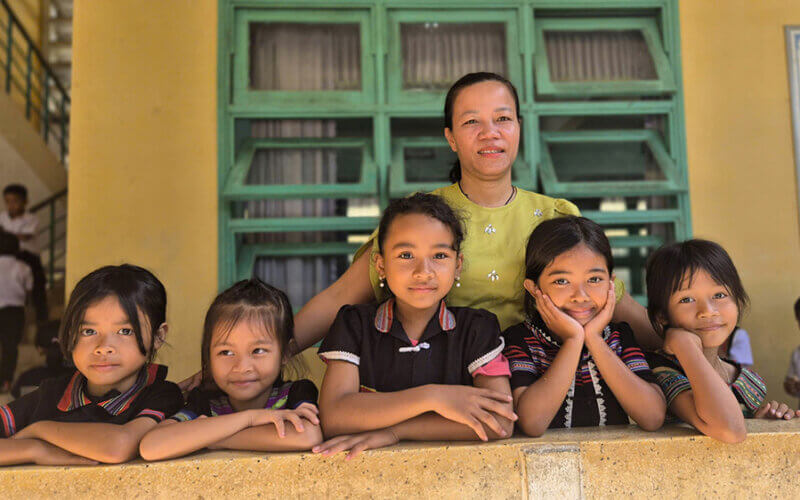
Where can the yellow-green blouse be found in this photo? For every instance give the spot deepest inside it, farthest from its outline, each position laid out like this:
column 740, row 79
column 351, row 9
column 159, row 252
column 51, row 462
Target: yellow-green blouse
column 494, row 251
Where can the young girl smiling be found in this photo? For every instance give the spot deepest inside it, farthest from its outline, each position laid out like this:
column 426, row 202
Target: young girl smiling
column 570, row 366
column 412, row 367
column 695, row 299
column 248, row 405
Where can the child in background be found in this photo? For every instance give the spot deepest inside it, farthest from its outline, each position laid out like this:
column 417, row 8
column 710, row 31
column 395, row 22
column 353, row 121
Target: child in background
column 249, row 407
column 113, row 325
column 47, row 345
column 412, row 368
column 16, row 280
column 791, row 384
column 695, row 299
column 24, row 225
column 570, row 366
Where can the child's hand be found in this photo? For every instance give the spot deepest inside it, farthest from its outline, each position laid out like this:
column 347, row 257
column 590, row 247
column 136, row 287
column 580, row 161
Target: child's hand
column 473, row 407
column 191, row 382
column 47, row 454
column 356, row 443
column 676, row 338
column 791, row 386
column 305, row 411
column 776, row 411
column 596, row 325
column 564, row 325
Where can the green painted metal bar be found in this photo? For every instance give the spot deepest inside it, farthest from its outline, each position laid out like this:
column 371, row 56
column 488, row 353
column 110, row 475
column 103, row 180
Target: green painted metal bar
column 292, row 224
column 46, row 109
column 608, row 218
column 9, row 55
column 28, row 71
column 635, row 241
column 58, row 220
column 63, row 123
column 52, row 246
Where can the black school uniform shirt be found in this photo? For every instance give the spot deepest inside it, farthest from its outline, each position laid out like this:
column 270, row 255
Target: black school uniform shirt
column 283, row 396
column 455, row 343
column 531, row 349
column 65, row 399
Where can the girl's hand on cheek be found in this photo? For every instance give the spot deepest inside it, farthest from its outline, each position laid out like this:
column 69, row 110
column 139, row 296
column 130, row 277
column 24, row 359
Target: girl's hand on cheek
column 356, row 443
column 562, row 324
column 677, row 338
column 776, row 411
column 595, row 327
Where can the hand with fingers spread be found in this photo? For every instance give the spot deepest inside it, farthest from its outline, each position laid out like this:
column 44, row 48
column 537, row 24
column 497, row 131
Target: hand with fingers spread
column 776, row 411
column 595, row 326
column 474, row 407
column 356, row 443
column 305, row 412
column 559, row 322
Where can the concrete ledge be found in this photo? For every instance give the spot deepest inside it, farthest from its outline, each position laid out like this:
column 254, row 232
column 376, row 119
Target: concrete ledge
column 592, row 463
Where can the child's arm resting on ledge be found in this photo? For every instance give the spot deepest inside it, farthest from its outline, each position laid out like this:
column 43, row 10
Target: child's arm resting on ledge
column 108, row 443
column 23, row 451
column 432, row 426
column 345, row 410
column 263, row 430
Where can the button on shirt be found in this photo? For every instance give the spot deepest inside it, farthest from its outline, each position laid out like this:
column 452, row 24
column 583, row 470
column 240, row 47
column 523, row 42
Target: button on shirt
column 16, row 279
column 456, row 342
column 27, row 223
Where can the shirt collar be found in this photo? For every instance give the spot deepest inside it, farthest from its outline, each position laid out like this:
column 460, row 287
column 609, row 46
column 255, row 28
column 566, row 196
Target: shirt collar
column 114, row 402
column 384, row 317
column 278, row 397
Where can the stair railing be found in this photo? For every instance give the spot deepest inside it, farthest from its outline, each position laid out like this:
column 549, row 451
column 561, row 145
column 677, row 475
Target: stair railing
column 30, row 80
column 55, row 232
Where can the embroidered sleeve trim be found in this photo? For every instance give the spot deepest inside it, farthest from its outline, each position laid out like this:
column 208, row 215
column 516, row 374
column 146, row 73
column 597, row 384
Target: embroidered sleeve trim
column 486, row 357
column 341, row 356
column 9, row 425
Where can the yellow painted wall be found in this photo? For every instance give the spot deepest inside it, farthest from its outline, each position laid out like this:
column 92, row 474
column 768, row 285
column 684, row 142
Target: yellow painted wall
column 143, row 165
column 741, row 168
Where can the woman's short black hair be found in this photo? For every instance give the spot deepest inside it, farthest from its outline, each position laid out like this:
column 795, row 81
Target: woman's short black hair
column 136, row 289
column 251, row 301
column 553, row 237
column 426, row 204
column 9, row 243
column 450, row 101
column 670, row 265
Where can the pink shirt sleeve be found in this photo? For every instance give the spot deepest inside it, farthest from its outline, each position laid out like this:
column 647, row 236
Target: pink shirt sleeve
column 498, row 367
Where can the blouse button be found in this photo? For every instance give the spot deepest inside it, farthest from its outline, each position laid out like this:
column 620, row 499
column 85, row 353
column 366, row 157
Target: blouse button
column 489, row 229
column 493, row 276
column 537, row 213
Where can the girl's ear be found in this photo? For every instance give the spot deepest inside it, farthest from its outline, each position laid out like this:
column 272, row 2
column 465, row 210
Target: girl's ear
column 379, row 266
column 448, row 134
column 161, row 336
column 530, row 286
column 459, row 263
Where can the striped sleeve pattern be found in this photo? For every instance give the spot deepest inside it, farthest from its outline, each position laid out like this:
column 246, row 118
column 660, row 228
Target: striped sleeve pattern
column 525, row 356
column 750, row 390
column 672, row 382
column 8, row 423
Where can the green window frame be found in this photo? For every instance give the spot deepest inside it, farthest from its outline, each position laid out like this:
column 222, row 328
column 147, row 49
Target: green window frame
column 382, row 99
column 248, row 98
column 427, row 98
column 664, row 83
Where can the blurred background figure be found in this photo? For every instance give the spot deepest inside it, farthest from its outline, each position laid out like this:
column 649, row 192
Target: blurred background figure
column 737, row 348
column 16, row 280
column 791, row 384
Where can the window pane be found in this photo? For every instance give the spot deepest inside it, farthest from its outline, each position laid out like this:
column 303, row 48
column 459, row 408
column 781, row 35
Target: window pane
column 604, row 162
column 437, row 54
column 304, row 56
column 300, row 277
column 578, row 56
column 305, row 166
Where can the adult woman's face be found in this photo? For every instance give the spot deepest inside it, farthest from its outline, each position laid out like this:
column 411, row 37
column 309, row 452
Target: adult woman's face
column 485, row 133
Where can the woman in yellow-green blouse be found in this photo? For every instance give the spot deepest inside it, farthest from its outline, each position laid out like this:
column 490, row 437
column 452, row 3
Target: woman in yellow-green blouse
column 482, row 126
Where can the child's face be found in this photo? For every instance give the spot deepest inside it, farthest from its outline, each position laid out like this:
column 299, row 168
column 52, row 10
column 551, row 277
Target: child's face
column 15, row 204
column 418, row 260
column 106, row 351
column 705, row 308
column 245, row 363
column 577, row 281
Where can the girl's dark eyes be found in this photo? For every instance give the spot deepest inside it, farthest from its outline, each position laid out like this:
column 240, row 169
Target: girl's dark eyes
column 561, row 281
column 87, row 332
column 596, row 279
column 260, row 350
column 441, row 255
column 686, row 300
column 125, row 331
column 405, row 255
column 225, row 352
column 720, row 295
